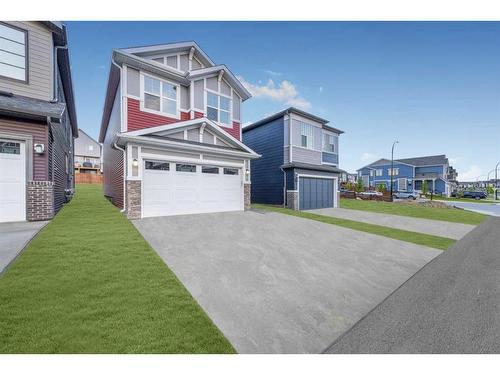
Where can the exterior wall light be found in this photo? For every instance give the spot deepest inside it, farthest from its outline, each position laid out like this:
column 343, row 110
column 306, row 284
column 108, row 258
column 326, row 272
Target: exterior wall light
column 135, row 163
column 39, row 148
column 247, row 172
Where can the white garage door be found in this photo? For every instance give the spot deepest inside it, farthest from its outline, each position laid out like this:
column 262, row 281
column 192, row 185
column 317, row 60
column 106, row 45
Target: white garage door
column 12, row 181
column 177, row 189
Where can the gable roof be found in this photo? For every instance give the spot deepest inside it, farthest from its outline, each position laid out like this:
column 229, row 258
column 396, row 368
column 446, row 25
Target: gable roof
column 292, row 110
column 177, row 126
column 171, row 47
column 415, row 162
column 228, row 76
column 88, row 136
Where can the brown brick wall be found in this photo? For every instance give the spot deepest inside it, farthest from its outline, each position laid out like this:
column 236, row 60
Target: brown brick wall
column 133, row 196
column 40, row 200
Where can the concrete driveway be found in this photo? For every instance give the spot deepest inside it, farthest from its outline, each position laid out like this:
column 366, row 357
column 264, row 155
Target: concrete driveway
column 435, row 227
column 14, row 237
column 274, row 283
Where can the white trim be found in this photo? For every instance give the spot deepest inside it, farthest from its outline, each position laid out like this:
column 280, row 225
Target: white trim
column 162, row 80
column 406, row 183
column 335, row 186
column 123, row 98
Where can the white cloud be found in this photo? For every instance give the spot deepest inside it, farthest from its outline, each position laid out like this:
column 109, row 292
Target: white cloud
column 321, row 89
column 273, row 73
column 367, row 156
column 470, row 174
column 284, row 92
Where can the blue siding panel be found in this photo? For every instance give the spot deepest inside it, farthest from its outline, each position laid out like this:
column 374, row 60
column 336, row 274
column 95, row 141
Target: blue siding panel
column 329, row 158
column 267, row 177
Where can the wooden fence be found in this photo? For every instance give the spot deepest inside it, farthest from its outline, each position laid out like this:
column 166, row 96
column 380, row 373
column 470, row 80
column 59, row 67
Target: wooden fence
column 88, row 178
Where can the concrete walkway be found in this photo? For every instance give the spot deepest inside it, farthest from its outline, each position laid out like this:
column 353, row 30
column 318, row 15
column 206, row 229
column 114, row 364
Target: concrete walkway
column 492, row 209
column 435, row 227
column 14, row 237
column 275, row 283
column 451, row 305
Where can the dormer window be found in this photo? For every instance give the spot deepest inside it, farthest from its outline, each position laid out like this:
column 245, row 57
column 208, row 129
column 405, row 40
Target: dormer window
column 13, row 56
column 219, row 108
column 160, row 96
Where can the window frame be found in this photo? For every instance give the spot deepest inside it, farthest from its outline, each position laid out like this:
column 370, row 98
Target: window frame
column 213, row 167
column 308, row 136
column 143, row 107
column 396, row 170
column 177, row 165
column 332, row 137
column 157, row 162
column 231, row 174
column 219, row 95
column 379, row 172
column 26, row 54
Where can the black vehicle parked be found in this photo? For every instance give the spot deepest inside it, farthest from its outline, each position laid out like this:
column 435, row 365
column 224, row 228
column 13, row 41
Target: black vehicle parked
column 475, row 194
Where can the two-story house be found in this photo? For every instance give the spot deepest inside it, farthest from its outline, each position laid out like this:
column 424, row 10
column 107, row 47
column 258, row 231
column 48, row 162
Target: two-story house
column 171, row 133
column 87, row 154
column 299, row 163
column 409, row 174
column 37, row 120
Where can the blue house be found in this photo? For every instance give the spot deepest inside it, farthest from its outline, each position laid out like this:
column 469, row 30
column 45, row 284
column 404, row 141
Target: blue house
column 410, row 174
column 299, row 163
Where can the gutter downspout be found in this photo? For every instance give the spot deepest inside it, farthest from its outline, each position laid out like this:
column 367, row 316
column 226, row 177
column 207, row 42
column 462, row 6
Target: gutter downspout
column 284, row 187
column 55, row 98
column 115, row 146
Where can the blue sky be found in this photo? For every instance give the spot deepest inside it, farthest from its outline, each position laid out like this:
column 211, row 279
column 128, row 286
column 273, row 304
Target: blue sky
column 435, row 87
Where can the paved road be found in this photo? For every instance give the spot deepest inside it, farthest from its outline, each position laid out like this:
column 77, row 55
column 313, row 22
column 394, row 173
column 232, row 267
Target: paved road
column 434, row 227
column 452, row 305
column 14, row 237
column 275, row 283
column 492, row 209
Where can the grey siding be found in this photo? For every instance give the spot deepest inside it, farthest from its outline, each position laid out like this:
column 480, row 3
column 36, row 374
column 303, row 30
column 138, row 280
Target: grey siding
column 184, row 97
column 184, row 61
column 172, row 61
column 304, row 155
column 267, row 178
column 133, row 82
column 236, row 107
column 225, row 88
column 40, row 64
column 212, row 84
column 208, row 138
column 113, row 158
column 193, row 135
column 195, row 65
column 82, row 146
column 199, row 97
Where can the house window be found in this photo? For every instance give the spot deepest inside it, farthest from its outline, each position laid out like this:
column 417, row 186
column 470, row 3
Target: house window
column 209, row 169
column 231, row 171
column 185, row 168
column 402, row 184
column 395, row 171
column 160, row 96
column 379, row 172
column 329, row 143
column 218, row 108
column 13, row 56
column 306, row 135
column 371, row 173
column 157, row 166
column 10, row 148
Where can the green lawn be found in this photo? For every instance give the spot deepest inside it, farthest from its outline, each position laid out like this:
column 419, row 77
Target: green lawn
column 89, row 283
column 397, row 234
column 444, row 214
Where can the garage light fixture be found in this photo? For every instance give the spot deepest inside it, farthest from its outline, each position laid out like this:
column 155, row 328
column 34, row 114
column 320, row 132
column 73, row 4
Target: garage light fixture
column 247, row 172
column 135, row 163
column 39, row 148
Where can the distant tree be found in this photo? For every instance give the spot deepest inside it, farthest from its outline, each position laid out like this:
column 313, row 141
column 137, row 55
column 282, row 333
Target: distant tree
column 350, row 186
column 460, row 194
column 425, row 188
column 381, row 188
column 489, row 190
column 359, row 185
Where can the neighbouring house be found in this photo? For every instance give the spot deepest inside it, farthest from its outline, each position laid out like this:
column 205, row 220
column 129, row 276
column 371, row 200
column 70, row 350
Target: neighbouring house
column 346, row 177
column 171, row 133
column 299, row 163
column 37, row 120
column 87, row 154
column 409, row 174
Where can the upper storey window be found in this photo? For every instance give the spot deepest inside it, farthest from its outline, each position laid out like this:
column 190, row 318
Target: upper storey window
column 219, row 108
column 13, row 53
column 160, row 96
column 329, row 143
column 306, row 135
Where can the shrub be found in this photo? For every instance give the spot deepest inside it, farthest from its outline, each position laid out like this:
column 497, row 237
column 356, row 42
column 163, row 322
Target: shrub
column 425, row 188
column 359, row 185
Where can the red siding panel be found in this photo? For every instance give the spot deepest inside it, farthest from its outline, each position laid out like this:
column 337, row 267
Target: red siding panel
column 234, row 131
column 138, row 119
column 198, row 114
column 39, row 132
